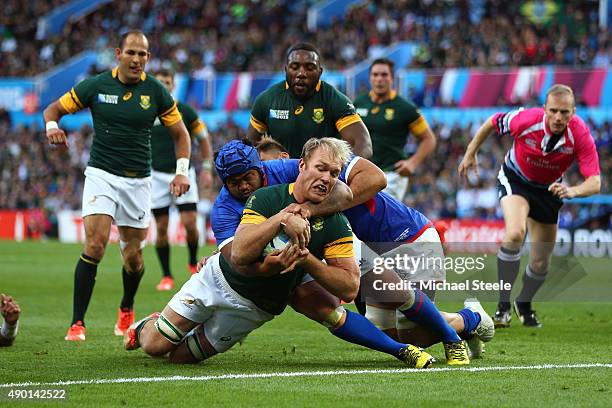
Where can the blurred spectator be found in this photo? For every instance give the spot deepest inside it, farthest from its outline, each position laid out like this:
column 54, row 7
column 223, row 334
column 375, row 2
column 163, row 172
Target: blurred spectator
column 199, row 36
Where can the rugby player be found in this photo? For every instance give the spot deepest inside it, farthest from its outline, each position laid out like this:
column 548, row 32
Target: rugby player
column 233, row 297
column 546, row 142
column 303, row 106
column 124, row 104
column 390, row 119
column 164, row 168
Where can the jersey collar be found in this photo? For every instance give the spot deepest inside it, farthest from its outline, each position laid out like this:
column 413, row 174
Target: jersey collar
column 317, row 88
column 392, row 96
column 115, row 73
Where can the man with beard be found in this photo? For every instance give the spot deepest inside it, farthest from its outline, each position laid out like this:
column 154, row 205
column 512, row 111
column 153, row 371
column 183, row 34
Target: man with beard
column 303, row 106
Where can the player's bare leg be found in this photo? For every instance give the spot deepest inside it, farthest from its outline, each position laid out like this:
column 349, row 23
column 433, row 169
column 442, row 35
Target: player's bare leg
column 515, row 209
column 131, row 243
column 189, row 219
column 97, row 232
column 158, row 335
column 542, row 237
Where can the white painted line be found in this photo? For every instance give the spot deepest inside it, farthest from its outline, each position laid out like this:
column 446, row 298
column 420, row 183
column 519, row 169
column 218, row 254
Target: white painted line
column 300, row 374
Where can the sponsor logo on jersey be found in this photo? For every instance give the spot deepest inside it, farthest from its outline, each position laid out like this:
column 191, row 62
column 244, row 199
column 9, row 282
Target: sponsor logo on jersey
column 363, row 112
column 299, row 110
column 127, row 96
column 279, row 114
column 530, row 143
column 112, row 99
column 389, row 113
column 145, row 102
column 318, row 116
column 350, row 106
column 375, row 110
column 317, row 224
column 226, row 338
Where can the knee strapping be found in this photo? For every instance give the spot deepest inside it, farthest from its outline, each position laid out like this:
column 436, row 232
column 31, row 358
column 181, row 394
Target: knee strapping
column 403, row 323
column 194, row 346
column 332, row 320
column 383, row 319
column 172, row 333
column 410, row 298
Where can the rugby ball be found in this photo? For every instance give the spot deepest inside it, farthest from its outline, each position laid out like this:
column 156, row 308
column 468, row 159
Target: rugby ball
column 278, row 242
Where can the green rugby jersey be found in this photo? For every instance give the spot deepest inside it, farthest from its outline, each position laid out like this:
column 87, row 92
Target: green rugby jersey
column 292, row 122
column 331, row 237
column 163, row 153
column 389, row 124
column 123, row 115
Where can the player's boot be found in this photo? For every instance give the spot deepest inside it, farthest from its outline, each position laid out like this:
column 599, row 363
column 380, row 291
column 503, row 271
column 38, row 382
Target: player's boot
column 130, row 338
column 502, row 316
column 415, row 357
column 124, row 319
column 193, row 269
column 486, row 328
column 166, row 283
column 76, row 332
column 456, row 353
column 526, row 314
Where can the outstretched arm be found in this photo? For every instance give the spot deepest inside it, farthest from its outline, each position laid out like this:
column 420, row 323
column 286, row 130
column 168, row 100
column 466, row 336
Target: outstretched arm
column 469, row 160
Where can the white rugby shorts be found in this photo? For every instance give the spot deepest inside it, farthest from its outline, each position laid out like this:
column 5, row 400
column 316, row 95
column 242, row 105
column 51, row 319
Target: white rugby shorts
column 207, row 298
column 397, row 185
column 161, row 196
column 127, row 200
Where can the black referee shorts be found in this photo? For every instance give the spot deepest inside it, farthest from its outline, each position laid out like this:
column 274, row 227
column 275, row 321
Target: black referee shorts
column 543, row 205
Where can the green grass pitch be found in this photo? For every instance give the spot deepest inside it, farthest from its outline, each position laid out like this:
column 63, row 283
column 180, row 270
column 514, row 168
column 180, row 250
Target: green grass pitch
column 40, row 277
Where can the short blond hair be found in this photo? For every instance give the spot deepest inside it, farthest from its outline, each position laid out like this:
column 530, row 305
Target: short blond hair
column 339, row 150
column 560, row 89
column 267, row 143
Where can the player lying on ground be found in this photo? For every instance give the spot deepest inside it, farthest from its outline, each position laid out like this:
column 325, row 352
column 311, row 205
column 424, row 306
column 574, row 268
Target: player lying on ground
column 10, row 311
column 379, row 218
column 232, row 297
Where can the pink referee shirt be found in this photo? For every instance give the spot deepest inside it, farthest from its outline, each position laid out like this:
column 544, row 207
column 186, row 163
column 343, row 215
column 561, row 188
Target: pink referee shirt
column 531, row 134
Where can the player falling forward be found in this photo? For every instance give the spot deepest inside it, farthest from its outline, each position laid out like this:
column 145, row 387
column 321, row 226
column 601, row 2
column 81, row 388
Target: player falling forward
column 233, row 297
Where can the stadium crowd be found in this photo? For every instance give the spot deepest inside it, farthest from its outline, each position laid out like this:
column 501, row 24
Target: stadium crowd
column 35, row 176
column 200, row 36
